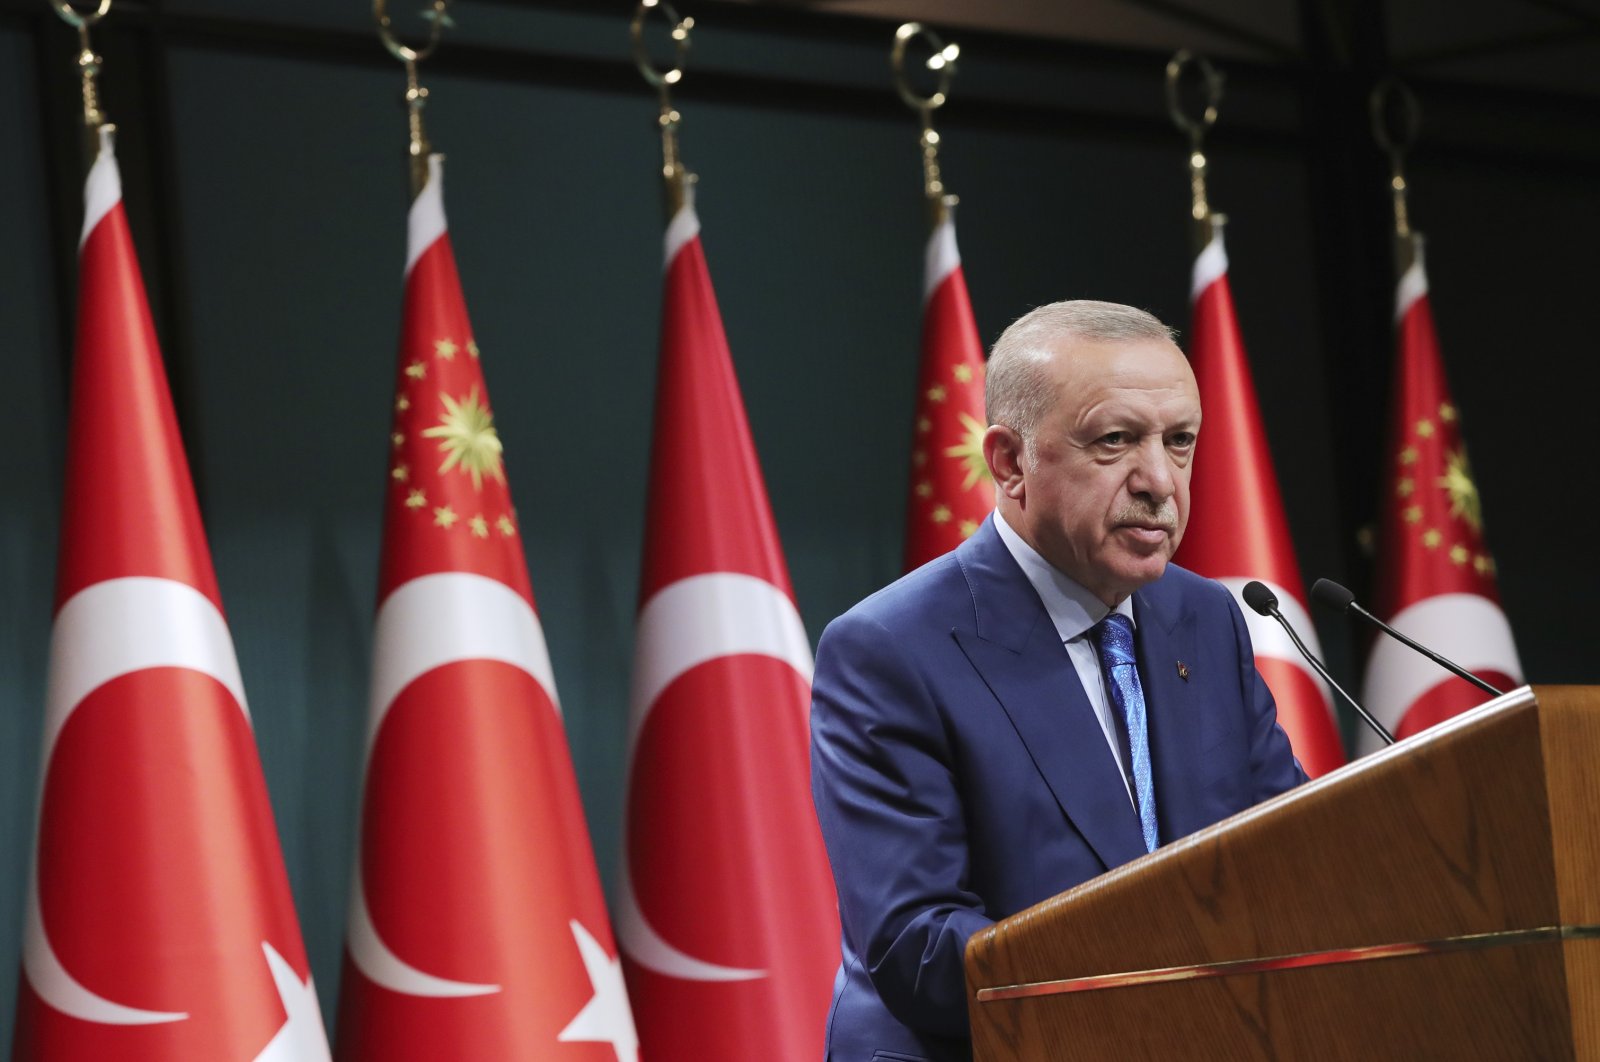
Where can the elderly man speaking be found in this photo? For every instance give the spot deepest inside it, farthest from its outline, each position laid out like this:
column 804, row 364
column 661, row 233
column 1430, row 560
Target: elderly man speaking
column 1045, row 703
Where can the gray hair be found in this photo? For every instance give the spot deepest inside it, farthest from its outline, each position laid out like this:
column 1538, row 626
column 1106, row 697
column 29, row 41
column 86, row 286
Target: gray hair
column 1017, row 390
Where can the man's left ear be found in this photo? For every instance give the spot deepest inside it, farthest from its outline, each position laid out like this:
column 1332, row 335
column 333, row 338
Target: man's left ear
column 1002, row 450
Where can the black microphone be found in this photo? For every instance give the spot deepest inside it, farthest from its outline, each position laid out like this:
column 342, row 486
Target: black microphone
column 1340, row 599
column 1264, row 601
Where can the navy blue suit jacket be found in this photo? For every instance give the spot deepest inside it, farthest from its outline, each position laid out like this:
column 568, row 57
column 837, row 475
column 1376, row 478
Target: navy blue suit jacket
column 960, row 774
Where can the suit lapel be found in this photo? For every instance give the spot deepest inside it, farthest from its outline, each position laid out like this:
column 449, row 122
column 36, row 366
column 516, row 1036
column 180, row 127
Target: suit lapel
column 1016, row 650
column 1165, row 638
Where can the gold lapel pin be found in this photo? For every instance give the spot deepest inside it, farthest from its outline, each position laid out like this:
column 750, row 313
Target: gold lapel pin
column 1183, row 671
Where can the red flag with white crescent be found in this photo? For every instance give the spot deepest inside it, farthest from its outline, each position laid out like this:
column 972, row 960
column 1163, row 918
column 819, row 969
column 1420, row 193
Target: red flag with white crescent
column 1237, row 529
column 159, row 922
column 726, row 909
column 478, row 928
column 951, row 491
column 1436, row 579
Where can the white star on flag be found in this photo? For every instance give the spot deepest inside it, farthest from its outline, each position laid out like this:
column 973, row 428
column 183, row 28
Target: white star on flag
column 606, row 1017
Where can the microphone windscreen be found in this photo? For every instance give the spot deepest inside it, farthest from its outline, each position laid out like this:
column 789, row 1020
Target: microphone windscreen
column 1330, row 593
column 1258, row 597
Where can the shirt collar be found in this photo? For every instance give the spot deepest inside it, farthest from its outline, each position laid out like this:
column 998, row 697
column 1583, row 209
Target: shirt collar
column 1072, row 609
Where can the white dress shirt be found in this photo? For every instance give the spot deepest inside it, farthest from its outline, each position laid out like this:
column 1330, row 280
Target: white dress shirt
column 1074, row 611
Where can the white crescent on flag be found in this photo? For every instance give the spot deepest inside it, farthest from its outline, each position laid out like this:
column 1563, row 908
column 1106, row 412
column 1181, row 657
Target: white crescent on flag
column 688, row 623
column 487, row 620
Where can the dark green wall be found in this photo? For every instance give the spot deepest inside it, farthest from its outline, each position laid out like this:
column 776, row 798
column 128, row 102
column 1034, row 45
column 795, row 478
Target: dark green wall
column 262, row 147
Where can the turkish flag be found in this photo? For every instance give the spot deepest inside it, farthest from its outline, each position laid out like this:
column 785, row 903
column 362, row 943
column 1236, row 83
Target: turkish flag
column 1435, row 575
column 951, row 491
column 1237, row 529
column 159, row 923
column 477, row 924
column 726, row 909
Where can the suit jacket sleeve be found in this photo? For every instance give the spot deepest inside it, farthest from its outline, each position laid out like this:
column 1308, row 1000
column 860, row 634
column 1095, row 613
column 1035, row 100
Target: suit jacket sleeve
column 885, row 787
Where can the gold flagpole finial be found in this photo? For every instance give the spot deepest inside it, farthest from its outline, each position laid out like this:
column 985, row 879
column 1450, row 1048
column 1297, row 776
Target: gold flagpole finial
column 677, row 178
column 1395, row 120
column 416, row 95
column 89, row 63
column 1205, row 222
column 943, row 64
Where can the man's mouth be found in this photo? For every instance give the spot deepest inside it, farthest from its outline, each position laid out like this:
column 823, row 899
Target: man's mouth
column 1153, row 534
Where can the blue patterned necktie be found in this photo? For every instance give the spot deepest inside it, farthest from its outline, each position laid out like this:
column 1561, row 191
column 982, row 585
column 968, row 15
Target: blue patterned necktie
column 1113, row 636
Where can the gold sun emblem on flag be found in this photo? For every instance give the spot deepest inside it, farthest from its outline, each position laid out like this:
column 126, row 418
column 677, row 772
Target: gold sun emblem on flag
column 1457, row 483
column 969, row 451
column 467, row 438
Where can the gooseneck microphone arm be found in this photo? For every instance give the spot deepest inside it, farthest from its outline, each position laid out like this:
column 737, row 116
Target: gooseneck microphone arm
column 1264, row 601
column 1340, row 599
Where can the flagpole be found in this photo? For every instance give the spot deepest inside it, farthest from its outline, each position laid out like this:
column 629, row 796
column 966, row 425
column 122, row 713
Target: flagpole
column 89, row 63
column 1397, row 143
column 678, row 181
column 943, row 64
column 416, row 95
column 1205, row 224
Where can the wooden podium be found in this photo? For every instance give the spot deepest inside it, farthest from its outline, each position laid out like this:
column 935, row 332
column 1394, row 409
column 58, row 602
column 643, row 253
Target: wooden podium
column 1437, row 900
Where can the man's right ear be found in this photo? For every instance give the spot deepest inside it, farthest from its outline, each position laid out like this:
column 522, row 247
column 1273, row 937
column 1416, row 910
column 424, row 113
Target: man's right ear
column 1002, row 450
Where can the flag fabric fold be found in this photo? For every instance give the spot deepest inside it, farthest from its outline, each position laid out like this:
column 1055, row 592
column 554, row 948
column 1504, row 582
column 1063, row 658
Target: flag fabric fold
column 950, row 488
column 1238, row 530
column 726, row 911
column 1436, row 578
column 478, row 927
column 159, row 923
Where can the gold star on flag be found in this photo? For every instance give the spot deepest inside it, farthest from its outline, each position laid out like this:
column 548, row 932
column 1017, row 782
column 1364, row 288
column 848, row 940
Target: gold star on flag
column 472, row 347
column 924, row 425
column 1459, row 553
column 416, row 370
column 1457, row 483
column 970, row 450
column 445, row 349
column 962, row 373
column 400, row 472
column 941, row 514
column 1447, row 412
column 924, row 489
column 936, row 393
column 1431, row 538
column 1482, row 565
column 416, row 500
column 468, row 439
column 480, row 526
column 398, row 439
column 1412, row 514
column 969, row 528
column 1405, row 487
column 1408, row 456
column 401, row 404
column 505, row 526
column 1425, row 428
column 444, row 516
column 918, row 458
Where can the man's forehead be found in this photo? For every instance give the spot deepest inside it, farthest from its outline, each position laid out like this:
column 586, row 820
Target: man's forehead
column 1080, row 364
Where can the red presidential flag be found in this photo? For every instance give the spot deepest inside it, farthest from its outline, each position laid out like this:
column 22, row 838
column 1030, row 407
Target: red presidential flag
column 951, row 491
column 1435, row 575
column 1237, row 528
column 159, row 923
column 726, row 909
column 478, row 928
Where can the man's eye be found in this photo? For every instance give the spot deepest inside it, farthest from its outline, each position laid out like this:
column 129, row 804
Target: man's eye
column 1182, row 440
column 1115, row 438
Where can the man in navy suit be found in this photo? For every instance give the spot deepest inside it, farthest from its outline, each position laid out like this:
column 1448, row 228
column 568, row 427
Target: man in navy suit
column 1047, row 702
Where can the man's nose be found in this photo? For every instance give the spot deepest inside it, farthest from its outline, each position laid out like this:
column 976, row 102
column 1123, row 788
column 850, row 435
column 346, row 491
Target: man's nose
column 1152, row 472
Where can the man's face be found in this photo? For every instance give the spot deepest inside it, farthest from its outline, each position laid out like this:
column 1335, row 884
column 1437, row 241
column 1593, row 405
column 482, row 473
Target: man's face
column 1105, row 497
